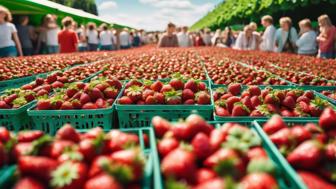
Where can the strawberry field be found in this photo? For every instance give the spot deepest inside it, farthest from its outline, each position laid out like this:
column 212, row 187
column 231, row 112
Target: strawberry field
column 193, row 118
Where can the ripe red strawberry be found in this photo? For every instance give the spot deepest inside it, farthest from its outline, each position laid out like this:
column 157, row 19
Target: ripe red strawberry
column 221, row 111
column 184, row 168
column 39, row 81
column 134, row 93
column 177, row 84
column 198, row 124
column 159, row 97
column 133, row 82
column 189, row 102
column 69, row 175
column 111, row 92
column 120, row 139
column 330, row 151
column 146, row 93
column 9, row 99
column 313, row 181
column 56, row 149
column 203, row 97
column 57, row 84
column 29, row 97
column 27, row 87
column 187, row 94
column 102, row 86
column 215, row 183
column 217, row 137
column 304, row 99
column 161, row 126
column 89, row 106
column 300, row 133
column 182, row 131
column 286, row 113
column 101, row 103
column 256, row 152
column 39, row 167
column 97, row 166
column 42, row 92
column 282, row 137
column 289, row 102
column 247, row 102
column 28, row 183
column 51, row 78
column 192, row 85
column 4, row 135
column 201, row 146
column 231, row 101
column 307, row 155
column 103, row 181
column 114, row 82
column 259, row 180
column 239, row 109
column 84, row 98
column 205, row 175
column 271, row 99
column 173, row 97
column 226, row 96
column 67, row 132
column 43, row 105
column 254, row 91
column 125, row 100
column 166, row 145
column 202, row 86
column 156, row 86
column 328, row 119
column 76, row 104
column 150, row 100
column 309, row 94
column 4, row 105
column 234, row 89
column 29, row 136
column 95, row 94
column 67, row 106
column 274, row 124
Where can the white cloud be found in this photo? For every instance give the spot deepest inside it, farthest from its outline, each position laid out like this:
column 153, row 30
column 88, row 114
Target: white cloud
column 107, row 6
column 180, row 12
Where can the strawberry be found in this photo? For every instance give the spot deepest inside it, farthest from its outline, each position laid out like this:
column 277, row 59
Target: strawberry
column 271, row 99
column 84, row 98
column 39, row 81
column 125, row 100
column 76, row 104
column 29, row 183
column 204, row 175
column 146, row 93
column 189, row 102
column 57, row 84
column 156, row 86
column 300, row 133
column 221, row 111
column 201, row 146
column 226, row 96
column 101, row 103
column 102, row 86
column 256, row 152
column 29, row 136
column 234, row 89
column 89, row 106
column 247, row 102
column 313, row 181
column 184, row 168
column 330, row 151
column 103, row 181
column 203, row 97
column 328, row 119
column 198, row 124
column 43, row 105
column 258, row 180
column 4, row 105
column 166, row 88
column 95, row 94
column 303, row 98
column 4, row 135
column 42, row 92
column 289, row 102
column 29, row 97
column 218, row 93
column 282, row 137
column 114, row 82
column 177, row 84
column 173, row 97
column 215, row 183
column 120, row 140
column 133, row 82
column 9, row 99
column 182, row 131
column 67, row 132
column 192, row 85
column 159, row 98
column 57, row 148
column 91, row 147
column 309, row 94
column 150, row 100
column 166, row 145
column 286, row 113
column 69, row 175
column 307, row 155
column 239, row 109
column 66, row 106
column 202, row 86
column 187, row 94
column 39, row 167
column 254, row 91
column 317, row 106
column 97, row 165
column 161, row 126
column 231, row 101
column 134, row 93
column 111, row 92
column 274, row 124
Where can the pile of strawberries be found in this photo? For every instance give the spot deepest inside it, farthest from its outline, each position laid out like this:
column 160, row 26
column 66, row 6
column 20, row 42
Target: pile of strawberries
column 176, row 91
column 16, row 98
column 255, row 102
column 195, row 155
column 73, row 160
column 309, row 148
column 98, row 94
column 330, row 94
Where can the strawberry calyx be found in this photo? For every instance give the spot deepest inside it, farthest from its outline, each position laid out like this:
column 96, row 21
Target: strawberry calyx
column 319, row 103
column 221, row 103
column 39, row 143
column 18, row 102
column 227, row 167
column 243, row 106
column 121, row 172
column 173, row 184
column 263, row 165
column 64, row 175
column 72, row 153
column 171, row 95
column 263, row 109
column 241, row 140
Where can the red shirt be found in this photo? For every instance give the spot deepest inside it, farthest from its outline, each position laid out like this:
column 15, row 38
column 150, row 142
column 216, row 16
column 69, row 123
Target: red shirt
column 68, row 41
column 328, row 45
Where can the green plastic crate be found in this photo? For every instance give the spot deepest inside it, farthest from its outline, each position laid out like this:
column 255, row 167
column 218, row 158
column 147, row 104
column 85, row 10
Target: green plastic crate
column 276, row 153
column 50, row 121
column 151, row 170
column 134, row 116
column 280, row 87
column 16, row 119
column 16, row 82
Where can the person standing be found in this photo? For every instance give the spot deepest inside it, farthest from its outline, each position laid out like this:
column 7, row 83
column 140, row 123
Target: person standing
column 183, row 37
column 52, row 34
column 286, row 37
column 247, row 40
column 207, row 37
column 10, row 45
column 268, row 38
column 327, row 37
column 198, row 40
column 228, row 39
column 307, row 41
column 169, row 39
column 26, row 35
column 106, row 38
column 125, row 39
column 67, row 38
column 136, row 39
column 81, row 34
column 92, row 37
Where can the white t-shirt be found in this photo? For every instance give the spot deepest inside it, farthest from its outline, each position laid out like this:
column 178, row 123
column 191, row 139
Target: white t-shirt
column 124, row 38
column 52, row 37
column 183, row 39
column 243, row 43
column 307, row 43
column 6, row 31
column 92, row 36
column 268, row 39
column 106, row 37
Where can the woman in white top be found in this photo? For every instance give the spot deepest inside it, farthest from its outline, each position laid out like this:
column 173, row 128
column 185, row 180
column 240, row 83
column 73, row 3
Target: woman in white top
column 307, row 42
column 267, row 39
column 106, row 38
column 9, row 41
column 92, row 36
column 51, row 34
column 247, row 40
column 286, row 37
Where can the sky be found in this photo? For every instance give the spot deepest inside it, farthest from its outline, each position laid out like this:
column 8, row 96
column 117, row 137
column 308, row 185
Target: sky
column 154, row 14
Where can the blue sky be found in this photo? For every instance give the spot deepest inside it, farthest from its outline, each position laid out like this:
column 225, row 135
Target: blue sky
column 154, row 14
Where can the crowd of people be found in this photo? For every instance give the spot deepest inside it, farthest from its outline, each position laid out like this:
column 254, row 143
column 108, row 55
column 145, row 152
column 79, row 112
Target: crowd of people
column 22, row 39
column 309, row 41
